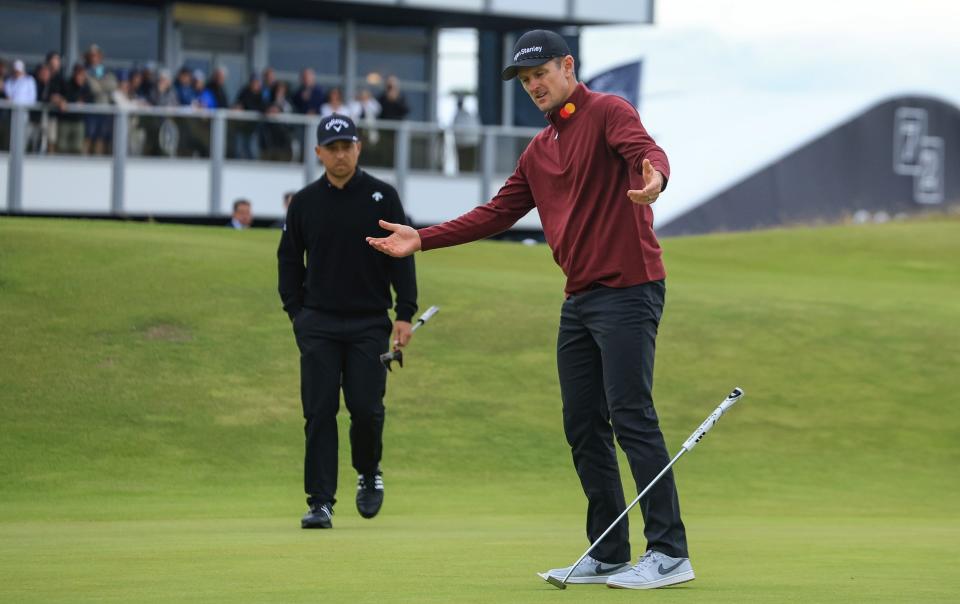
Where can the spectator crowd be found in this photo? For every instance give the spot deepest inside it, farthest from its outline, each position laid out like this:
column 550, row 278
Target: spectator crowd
column 57, row 130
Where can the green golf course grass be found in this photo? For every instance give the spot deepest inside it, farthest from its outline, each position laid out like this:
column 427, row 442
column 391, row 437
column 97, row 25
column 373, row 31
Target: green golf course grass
column 152, row 439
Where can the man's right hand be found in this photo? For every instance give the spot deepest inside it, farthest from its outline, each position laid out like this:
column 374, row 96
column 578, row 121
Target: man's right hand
column 403, row 241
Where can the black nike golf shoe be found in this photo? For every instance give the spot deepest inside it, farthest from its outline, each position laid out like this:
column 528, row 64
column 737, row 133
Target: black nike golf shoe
column 369, row 494
column 319, row 516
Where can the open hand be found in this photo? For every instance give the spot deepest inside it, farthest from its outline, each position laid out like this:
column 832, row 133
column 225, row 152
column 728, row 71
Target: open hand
column 652, row 184
column 403, row 241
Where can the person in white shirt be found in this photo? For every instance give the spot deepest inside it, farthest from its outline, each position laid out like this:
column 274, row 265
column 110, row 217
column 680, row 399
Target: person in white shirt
column 336, row 105
column 365, row 107
column 364, row 110
column 21, row 88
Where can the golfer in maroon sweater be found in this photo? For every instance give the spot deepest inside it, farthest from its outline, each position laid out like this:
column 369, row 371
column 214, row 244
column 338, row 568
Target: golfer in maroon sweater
column 592, row 174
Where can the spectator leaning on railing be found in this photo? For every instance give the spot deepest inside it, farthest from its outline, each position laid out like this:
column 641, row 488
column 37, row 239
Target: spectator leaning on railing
column 309, row 97
column 53, row 61
column 217, row 87
column 42, row 136
column 278, row 136
column 99, row 127
column 365, row 110
column 20, row 87
column 184, row 87
column 365, row 107
column 148, row 80
column 163, row 94
column 148, row 84
column 203, row 97
column 269, row 79
column 335, row 104
column 71, row 125
column 393, row 105
column 125, row 97
column 58, row 83
column 280, row 98
column 247, row 138
column 137, row 89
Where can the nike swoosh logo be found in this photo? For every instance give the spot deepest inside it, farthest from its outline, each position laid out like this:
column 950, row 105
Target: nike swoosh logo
column 606, row 571
column 664, row 571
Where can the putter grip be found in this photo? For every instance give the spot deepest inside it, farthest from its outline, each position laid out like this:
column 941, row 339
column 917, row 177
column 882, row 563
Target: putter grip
column 429, row 313
column 714, row 417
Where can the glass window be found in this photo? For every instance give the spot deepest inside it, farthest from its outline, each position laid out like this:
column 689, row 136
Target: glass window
column 212, row 40
column 417, row 101
column 294, row 45
column 124, row 33
column 400, row 51
column 29, row 30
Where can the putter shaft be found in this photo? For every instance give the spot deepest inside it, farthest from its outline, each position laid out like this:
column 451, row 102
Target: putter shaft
column 689, row 444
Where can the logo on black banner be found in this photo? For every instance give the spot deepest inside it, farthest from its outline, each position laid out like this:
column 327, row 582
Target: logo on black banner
column 917, row 154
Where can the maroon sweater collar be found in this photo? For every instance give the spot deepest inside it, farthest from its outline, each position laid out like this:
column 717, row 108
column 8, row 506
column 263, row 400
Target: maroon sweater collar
column 580, row 97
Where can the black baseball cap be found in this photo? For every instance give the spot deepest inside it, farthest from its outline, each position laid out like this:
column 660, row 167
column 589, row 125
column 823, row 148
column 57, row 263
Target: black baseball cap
column 336, row 127
column 535, row 48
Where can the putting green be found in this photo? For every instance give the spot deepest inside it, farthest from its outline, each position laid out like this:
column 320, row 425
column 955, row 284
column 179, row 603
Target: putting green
column 152, row 442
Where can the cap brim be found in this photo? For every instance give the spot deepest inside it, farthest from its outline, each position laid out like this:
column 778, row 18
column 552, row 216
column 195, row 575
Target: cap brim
column 339, row 137
column 510, row 71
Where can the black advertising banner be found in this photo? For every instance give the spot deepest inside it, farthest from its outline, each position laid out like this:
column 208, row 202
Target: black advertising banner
column 899, row 157
column 622, row 81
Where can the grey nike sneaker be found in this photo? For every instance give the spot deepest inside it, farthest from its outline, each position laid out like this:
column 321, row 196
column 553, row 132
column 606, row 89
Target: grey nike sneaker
column 588, row 571
column 653, row 570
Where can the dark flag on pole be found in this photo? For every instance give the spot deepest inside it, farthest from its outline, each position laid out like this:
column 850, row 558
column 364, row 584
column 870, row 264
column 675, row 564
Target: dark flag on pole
column 622, row 81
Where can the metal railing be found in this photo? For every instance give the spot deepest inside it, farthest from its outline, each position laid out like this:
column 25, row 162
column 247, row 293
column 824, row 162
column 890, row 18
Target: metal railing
column 217, row 136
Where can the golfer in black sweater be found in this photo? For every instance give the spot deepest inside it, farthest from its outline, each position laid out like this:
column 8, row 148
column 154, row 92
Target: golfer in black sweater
column 338, row 301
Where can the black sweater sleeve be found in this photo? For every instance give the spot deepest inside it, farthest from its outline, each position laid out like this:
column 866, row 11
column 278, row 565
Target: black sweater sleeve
column 291, row 270
column 403, row 275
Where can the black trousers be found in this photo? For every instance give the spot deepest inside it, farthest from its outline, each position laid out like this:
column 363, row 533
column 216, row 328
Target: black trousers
column 605, row 352
column 340, row 350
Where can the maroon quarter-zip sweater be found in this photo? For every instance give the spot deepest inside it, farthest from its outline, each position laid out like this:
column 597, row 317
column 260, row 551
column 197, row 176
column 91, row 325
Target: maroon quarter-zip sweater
column 576, row 172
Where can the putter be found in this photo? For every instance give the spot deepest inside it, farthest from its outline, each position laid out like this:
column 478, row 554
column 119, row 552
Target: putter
column 688, row 445
column 397, row 355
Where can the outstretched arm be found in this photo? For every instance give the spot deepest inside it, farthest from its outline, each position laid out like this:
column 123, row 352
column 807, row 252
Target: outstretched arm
column 508, row 206
column 648, row 166
column 402, row 241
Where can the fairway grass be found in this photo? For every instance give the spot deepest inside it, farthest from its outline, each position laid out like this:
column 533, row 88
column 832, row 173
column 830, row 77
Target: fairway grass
column 152, row 441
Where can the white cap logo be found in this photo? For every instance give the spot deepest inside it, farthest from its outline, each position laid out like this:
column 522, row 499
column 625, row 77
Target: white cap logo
column 527, row 50
column 337, row 125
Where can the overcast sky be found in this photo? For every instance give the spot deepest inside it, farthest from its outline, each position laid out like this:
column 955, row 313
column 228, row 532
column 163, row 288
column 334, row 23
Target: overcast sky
column 809, row 45
column 730, row 85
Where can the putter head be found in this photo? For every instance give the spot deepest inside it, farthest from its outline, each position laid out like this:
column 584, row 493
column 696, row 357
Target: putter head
column 387, row 357
column 556, row 582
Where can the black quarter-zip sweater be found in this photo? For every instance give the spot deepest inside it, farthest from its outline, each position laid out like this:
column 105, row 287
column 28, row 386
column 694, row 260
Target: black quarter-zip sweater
column 343, row 274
